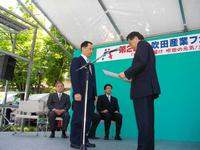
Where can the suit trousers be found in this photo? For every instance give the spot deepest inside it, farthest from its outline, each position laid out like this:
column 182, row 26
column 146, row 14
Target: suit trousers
column 52, row 120
column 77, row 121
column 144, row 112
column 108, row 117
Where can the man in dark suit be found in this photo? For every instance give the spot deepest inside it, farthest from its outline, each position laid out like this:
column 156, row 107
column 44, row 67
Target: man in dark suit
column 78, row 80
column 108, row 109
column 58, row 104
column 144, row 88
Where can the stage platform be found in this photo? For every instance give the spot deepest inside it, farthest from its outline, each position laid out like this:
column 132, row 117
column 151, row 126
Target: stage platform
column 29, row 141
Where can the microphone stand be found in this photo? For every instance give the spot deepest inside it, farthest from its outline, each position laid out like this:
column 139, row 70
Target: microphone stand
column 86, row 67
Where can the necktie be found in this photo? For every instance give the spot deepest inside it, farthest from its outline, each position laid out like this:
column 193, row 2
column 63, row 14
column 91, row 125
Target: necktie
column 59, row 95
column 109, row 98
column 90, row 68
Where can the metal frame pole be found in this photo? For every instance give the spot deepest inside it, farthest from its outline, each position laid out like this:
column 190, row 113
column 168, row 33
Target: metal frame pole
column 30, row 65
column 14, row 43
column 83, row 146
column 111, row 19
column 183, row 16
column 43, row 12
column 6, row 86
column 29, row 73
column 55, row 39
column 4, row 102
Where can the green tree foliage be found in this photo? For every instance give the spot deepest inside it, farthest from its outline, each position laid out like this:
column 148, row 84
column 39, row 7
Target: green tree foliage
column 50, row 61
column 56, row 60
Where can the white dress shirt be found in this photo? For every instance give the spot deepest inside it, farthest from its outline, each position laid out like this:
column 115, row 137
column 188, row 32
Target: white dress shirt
column 59, row 96
column 87, row 61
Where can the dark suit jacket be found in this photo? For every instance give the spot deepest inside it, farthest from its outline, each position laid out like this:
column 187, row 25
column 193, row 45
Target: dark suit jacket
column 143, row 72
column 103, row 103
column 78, row 78
column 54, row 102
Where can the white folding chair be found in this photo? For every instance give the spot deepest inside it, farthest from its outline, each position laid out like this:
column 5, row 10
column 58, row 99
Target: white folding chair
column 26, row 108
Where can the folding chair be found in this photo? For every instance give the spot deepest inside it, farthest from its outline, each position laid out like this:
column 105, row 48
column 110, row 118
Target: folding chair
column 26, row 108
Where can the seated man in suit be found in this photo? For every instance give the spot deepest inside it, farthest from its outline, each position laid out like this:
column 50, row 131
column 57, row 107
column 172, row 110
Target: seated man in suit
column 108, row 109
column 58, row 104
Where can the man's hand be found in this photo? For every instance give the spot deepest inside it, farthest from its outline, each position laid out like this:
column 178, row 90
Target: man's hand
column 104, row 111
column 58, row 111
column 54, row 110
column 116, row 112
column 122, row 75
column 77, row 97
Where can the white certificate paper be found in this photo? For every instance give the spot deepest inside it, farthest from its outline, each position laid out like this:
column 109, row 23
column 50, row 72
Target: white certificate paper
column 114, row 75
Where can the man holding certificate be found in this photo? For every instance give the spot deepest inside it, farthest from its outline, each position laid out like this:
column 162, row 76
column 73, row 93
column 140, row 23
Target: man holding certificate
column 144, row 88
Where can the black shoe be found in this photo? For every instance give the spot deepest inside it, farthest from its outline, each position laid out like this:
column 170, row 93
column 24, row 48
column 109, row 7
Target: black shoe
column 75, row 146
column 106, row 138
column 90, row 145
column 93, row 137
column 118, row 138
column 52, row 135
column 64, row 135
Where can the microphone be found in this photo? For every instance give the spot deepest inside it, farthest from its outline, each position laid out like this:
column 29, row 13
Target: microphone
column 114, row 50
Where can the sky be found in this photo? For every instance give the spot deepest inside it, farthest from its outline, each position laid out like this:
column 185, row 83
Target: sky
column 7, row 3
column 13, row 3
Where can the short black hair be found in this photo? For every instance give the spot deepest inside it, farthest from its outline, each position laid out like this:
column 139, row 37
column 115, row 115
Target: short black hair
column 134, row 34
column 85, row 44
column 107, row 85
column 58, row 82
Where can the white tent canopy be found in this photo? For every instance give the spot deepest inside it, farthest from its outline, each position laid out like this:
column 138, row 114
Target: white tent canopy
column 109, row 21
